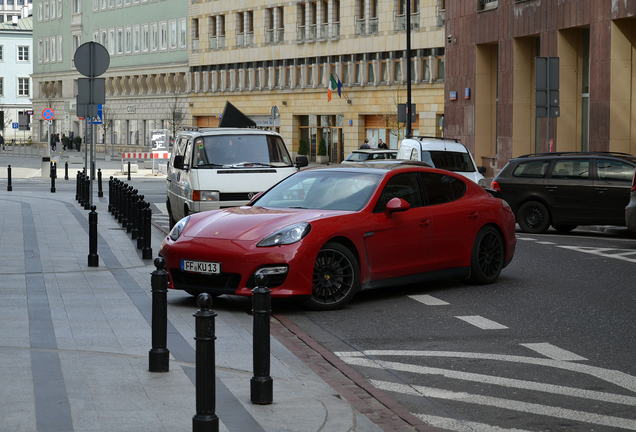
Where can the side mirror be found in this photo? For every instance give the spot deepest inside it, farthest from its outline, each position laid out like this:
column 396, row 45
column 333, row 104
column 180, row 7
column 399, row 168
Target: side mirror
column 178, row 162
column 482, row 170
column 301, row 161
column 396, row 205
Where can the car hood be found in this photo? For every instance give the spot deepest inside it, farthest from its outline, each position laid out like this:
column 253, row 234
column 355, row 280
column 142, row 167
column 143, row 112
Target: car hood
column 249, row 223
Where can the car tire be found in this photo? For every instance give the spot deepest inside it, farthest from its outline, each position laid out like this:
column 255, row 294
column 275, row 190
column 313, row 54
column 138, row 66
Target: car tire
column 336, row 278
column 533, row 217
column 564, row 228
column 488, row 256
column 171, row 221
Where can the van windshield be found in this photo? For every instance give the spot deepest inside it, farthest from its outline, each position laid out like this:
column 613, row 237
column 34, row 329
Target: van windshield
column 239, row 151
column 450, row 161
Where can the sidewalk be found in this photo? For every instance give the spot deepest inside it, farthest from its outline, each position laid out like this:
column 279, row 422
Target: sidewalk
column 75, row 340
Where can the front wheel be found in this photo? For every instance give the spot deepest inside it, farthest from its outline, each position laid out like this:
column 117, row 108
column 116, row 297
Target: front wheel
column 336, row 278
column 488, row 256
column 533, row 217
column 171, row 221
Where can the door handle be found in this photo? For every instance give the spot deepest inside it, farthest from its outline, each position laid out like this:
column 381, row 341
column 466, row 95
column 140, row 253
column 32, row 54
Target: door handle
column 425, row 223
column 551, row 188
column 601, row 190
column 473, row 215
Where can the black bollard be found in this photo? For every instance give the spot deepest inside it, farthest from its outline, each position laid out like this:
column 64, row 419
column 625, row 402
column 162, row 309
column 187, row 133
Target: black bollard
column 9, row 187
column 120, row 205
column 52, row 178
column 141, row 207
column 100, row 192
column 128, row 170
column 77, row 186
column 159, row 356
column 116, row 190
column 146, row 252
column 66, row 170
column 261, row 384
column 132, row 197
column 205, row 420
column 55, row 169
column 87, row 192
column 110, row 195
column 93, row 258
column 93, row 171
column 136, row 223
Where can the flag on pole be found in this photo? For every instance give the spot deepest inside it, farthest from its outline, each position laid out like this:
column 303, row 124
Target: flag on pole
column 333, row 85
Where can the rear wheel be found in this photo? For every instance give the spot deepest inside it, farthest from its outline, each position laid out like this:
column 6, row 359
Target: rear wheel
column 533, row 217
column 336, row 278
column 488, row 256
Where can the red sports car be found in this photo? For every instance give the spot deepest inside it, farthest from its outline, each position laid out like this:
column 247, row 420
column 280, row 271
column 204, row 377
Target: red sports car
column 326, row 233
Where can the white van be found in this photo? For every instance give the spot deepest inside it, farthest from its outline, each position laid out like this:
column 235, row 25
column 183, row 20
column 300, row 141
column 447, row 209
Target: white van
column 214, row 168
column 448, row 154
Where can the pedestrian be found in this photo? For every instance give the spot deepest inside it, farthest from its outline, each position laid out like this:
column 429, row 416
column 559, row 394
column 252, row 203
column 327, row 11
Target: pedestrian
column 52, row 141
column 79, row 143
column 64, row 142
column 57, row 140
column 71, row 135
column 365, row 145
column 381, row 145
column 2, row 142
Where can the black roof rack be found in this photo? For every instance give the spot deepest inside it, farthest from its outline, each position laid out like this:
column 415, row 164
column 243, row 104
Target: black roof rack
column 421, row 137
column 577, row 153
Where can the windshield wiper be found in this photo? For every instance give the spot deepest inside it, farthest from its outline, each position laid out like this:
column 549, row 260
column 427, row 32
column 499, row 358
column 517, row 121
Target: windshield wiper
column 243, row 164
column 208, row 165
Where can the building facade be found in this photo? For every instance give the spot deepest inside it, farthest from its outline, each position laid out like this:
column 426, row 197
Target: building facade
column 491, row 49
column 16, row 65
column 259, row 54
column 146, row 79
column 12, row 8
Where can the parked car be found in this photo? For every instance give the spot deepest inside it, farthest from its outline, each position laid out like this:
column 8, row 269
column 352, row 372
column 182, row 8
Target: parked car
column 630, row 210
column 224, row 167
column 567, row 189
column 369, row 155
column 325, row 233
column 443, row 153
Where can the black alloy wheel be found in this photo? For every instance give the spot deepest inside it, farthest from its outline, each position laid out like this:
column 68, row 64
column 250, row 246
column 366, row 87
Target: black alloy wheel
column 533, row 217
column 336, row 278
column 488, row 256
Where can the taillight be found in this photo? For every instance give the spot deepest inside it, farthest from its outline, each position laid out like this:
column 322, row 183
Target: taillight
column 506, row 206
column 634, row 182
column 495, row 186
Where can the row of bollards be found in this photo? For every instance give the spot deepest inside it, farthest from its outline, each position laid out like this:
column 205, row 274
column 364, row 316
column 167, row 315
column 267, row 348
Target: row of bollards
column 82, row 195
column 132, row 212
column 83, row 187
column 261, row 385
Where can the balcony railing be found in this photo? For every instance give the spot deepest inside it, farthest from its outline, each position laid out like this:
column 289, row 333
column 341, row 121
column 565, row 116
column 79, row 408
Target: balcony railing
column 249, row 39
column 213, row 42
column 300, row 33
column 360, row 26
column 312, row 32
column 269, row 36
column 373, row 25
column 281, row 35
column 336, row 29
column 195, row 44
column 400, row 22
column 324, row 31
column 244, row 39
column 240, row 39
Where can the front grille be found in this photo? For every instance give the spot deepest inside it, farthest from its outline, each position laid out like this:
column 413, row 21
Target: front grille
column 224, row 283
column 237, row 196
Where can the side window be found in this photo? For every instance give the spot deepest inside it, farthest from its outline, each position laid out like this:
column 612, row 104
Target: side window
column 175, row 150
column 403, row 186
column 413, row 155
column 613, row 170
column 442, row 188
column 534, row 169
column 200, row 156
column 187, row 156
column 571, row 169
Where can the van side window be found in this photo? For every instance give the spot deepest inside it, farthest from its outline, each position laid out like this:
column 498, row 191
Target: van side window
column 413, row 155
column 187, row 156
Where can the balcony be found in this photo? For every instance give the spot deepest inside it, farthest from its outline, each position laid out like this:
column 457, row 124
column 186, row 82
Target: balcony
column 269, row 36
column 281, row 35
column 400, row 22
column 360, row 26
column 324, row 31
column 312, row 32
column 373, row 25
column 335, row 30
column 300, row 33
column 217, row 42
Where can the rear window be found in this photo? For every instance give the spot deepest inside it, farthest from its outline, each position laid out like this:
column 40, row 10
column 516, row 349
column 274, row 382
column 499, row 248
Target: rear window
column 357, row 157
column 451, row 161
column 534, row 169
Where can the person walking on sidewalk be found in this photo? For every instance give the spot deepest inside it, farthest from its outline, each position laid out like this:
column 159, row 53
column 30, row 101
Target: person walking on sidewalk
column 2, row 142
column 52, row 142
column 71, row 135
column 57, row 141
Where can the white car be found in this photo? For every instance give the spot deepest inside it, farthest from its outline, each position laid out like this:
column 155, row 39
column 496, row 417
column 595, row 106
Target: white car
column 448, row 154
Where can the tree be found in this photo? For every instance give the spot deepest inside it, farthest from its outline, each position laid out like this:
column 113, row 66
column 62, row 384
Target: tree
column 176, row 115
column 107, row 120
column 391, row 123
column 302, row 147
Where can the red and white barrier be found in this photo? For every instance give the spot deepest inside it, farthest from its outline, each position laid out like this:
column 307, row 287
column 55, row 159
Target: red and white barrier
column 148, row 155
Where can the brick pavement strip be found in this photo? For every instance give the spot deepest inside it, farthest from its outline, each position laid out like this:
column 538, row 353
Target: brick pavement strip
column 374, row 403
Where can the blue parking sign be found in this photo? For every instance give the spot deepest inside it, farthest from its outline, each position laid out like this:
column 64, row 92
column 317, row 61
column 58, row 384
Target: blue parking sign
column 15, row 125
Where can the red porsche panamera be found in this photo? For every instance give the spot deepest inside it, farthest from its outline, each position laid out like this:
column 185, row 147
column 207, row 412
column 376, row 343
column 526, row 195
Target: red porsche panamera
column 326, row 233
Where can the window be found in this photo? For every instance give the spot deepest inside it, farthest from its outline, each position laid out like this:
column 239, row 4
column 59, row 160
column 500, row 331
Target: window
column 40, row 13
column 442, row 188
column 1, row 86
column 183, row 38
column 611, row 170
column 120, row 41
column 23, row 87
column 154, row 37
column 535, row 169
column 59, row 9
column 104, row 38
column 77, row 6
column 404, row 186
column 46, row 50
column 53, row 9
column 128, row 40
column 53, row 49
column 1, row 52
column 111, row 41
column 136, row 41
column 571, row 169
column 145, row 38
column 59, row 48
column 104, row 4
column 95, row 5
column 163, row 36
column 96, row 36
column 46, row 11
column 173, row 34
column 40, row 51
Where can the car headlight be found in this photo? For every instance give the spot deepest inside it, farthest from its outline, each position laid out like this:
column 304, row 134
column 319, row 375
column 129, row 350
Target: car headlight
column 204, row 195
column 288, row 235
column 178, row 228
column 482, row 182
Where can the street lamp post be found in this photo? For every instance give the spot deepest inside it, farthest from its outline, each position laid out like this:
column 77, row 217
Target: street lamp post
column 409, row 133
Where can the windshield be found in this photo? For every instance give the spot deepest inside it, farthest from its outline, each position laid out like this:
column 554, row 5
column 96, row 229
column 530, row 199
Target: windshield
column 322, row 189
column 240, row 151
column 451, row 161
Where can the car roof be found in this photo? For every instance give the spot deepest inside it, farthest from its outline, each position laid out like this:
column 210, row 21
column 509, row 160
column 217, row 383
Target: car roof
column 378, row 166
column 374, row 150
column 566, row 155
column 436, row 144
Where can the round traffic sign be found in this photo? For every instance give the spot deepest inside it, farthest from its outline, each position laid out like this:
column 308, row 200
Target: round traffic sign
column 48, row 114
column 91, row 59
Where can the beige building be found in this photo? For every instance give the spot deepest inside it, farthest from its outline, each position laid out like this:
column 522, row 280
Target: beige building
column 259, row 54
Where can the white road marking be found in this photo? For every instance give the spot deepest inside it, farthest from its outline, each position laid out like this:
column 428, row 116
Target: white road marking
column 428, row 300
column 482, row 323
column 618, row 378
column 462, row 425
column 162, row 207
column 553, row 352
column 621, row 254
column 546, row 243
column 531, row 408
column 493, row 380
column 526, row 238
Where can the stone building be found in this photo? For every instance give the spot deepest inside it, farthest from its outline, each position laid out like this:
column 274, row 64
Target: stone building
column 491, row 49
column 146, row 80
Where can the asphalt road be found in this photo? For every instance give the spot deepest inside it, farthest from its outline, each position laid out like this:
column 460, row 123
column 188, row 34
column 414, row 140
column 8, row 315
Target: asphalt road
column 549, row 347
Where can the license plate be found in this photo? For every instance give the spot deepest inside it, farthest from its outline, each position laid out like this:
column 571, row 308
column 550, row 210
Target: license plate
column 203, row 267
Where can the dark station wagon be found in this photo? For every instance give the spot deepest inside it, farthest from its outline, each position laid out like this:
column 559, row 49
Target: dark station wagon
column 567, row 189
